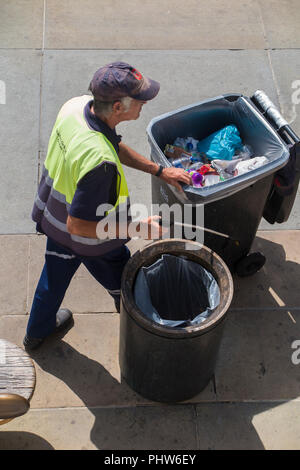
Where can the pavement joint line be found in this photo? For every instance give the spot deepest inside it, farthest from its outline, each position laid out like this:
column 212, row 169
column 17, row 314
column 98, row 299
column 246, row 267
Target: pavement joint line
column 269, row 57
column 150, row 50
column 249, row 401
column 196, row 427
column 116, row 315
column 275, row 82
column 259, row 309
column 177, row 50
column 196, row 419
column 41, row 92
column 44, row 25
column 111, row 407
column 193, row 405
column 28, row 271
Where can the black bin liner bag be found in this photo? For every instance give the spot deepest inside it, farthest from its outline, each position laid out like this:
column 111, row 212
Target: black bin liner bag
column 175, row 291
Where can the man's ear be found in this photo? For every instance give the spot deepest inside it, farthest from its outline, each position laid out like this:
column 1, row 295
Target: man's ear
column 117, row 107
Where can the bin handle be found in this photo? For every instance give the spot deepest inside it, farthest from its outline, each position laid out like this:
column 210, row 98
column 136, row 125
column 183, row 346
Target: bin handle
column 272, row 113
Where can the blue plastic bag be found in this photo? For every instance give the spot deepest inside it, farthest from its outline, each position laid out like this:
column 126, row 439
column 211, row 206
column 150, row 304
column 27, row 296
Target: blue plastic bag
column 221, row 144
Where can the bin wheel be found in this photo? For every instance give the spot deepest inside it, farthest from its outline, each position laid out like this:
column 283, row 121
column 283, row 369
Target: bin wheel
column 250, row 264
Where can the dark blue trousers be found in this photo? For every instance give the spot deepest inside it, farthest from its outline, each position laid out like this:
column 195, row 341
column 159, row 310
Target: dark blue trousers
column 59, row 268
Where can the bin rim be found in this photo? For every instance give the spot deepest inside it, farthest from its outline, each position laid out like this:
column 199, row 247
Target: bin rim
column 228, row 187
column 211, row 261
column 176, row 111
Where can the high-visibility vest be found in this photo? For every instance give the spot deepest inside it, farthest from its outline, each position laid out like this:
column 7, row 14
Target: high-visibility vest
column 75, row 149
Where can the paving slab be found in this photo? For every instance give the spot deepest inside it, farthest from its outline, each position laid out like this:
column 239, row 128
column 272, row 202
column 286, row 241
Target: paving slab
column 20, row 71
column 219, row 426
column 242, row 71
column 249, row 426
column 286, row 67
column 155, row 25
column 22, row 24
column 163, row 428
column 14, row 253
column 281, row 23
column 276, row 284
column 255, row 358
column 82, row 366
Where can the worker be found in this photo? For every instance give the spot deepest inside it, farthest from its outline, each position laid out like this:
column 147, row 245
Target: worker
column 83, row 174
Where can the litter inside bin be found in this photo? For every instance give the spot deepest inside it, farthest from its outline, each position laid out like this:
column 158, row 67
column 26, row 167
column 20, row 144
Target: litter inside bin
column 175, row 291
column 218, row 157
column 237, row 167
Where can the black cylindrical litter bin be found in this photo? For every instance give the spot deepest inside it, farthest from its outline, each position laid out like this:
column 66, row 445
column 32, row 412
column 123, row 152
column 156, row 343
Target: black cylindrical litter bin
column 235, row 206
column 163, row 363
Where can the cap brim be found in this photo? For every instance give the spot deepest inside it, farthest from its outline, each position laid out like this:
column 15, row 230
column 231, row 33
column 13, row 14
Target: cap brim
column 148, row 91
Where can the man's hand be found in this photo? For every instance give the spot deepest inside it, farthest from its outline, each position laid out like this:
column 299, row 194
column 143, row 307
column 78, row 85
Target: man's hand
column 173, row 175
column 149, row 229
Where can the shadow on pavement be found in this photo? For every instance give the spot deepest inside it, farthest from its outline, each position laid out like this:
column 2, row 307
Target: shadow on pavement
column 12, row 440
column 275, row 285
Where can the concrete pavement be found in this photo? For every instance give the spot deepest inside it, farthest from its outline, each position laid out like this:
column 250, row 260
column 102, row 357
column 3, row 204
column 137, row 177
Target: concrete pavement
column 48, row 53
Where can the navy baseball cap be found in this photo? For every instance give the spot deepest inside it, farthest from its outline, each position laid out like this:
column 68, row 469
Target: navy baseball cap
column 119, row 79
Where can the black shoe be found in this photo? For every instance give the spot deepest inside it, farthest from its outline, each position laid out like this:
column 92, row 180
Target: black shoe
column 64, row 318
column 32, row 343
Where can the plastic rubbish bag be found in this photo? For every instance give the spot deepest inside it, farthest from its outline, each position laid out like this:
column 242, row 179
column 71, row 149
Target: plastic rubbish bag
column 188, row 143
column 221, row 144
column 244, row 153
column 175, row 291
column 248, row 165
column 210, row 180
column 226, row 168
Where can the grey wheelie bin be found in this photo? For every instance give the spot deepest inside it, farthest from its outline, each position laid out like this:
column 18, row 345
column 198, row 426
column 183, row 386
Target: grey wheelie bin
column 235, row 206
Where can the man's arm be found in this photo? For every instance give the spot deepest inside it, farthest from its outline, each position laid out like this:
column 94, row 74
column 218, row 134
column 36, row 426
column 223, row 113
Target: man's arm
column 133, row 159
column 87, row 228
column 170, row 175
column 148, row 228
column 83, row 228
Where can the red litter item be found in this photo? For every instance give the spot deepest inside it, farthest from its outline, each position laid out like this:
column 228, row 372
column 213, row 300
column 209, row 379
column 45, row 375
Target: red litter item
column 207, row 169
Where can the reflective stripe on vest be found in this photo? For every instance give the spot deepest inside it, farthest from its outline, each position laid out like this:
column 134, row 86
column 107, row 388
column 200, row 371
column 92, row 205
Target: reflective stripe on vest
column 74, row 150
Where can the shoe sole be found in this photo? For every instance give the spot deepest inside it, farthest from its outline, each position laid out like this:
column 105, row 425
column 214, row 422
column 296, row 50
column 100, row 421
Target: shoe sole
column 58, row 329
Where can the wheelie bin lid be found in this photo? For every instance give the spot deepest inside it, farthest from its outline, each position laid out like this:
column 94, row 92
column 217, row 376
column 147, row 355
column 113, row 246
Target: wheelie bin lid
column 205, row 117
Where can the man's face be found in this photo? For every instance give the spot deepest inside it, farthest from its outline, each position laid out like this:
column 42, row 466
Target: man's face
column 134, row 110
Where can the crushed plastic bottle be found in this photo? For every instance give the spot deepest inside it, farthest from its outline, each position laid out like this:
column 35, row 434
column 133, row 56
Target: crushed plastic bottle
column 188, row 143
column 244, row 153
column 182, row 162
column 210, row 180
